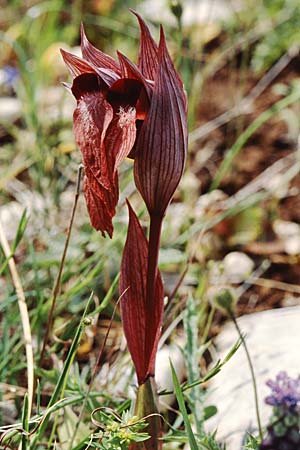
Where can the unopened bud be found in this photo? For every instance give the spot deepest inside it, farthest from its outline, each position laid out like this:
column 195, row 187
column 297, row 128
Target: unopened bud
column 87, row 321
column 224, row 299
column 176, row 8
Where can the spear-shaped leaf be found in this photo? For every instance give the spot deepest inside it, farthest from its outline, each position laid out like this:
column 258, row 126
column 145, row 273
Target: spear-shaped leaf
column 141, row 322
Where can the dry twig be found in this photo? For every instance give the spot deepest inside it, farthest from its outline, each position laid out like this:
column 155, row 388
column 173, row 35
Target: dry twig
column 24, row 315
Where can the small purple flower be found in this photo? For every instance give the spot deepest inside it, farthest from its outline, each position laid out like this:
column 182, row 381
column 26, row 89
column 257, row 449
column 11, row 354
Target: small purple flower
column 285, row 392
column 10, row 76
column 283, row 431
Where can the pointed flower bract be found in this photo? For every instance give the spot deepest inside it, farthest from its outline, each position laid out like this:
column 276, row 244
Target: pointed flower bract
column 162, row 142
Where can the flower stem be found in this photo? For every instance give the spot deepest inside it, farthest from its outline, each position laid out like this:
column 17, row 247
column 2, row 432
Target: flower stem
column 154, row 242
column 252, row 373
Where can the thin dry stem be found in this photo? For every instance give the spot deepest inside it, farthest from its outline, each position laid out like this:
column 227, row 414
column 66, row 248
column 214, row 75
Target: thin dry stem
column 275, row 284
column 24, row 316
column 58, row 279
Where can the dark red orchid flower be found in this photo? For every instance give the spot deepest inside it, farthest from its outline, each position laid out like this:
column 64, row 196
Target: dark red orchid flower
column 113, row 98
column 126, row 109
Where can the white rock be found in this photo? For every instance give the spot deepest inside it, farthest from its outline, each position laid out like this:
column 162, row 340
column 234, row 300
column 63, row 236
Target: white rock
column 273, row 339
column 10, row 110
column 237, row 266
column 284, row 228
column 289, row 233
column 10, row 215
column 292, row 245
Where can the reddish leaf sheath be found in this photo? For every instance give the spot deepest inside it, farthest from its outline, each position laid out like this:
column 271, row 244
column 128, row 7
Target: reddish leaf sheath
column 162, row 142
column 141, row 322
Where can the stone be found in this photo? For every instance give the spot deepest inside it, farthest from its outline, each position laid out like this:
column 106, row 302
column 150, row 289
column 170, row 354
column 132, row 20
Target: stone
column 273, row 339
column 237, row 266
column 10, row 110
column 289, row 233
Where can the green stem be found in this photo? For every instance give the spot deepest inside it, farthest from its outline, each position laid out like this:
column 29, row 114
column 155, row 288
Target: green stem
column 146, row 406
column 252, row 373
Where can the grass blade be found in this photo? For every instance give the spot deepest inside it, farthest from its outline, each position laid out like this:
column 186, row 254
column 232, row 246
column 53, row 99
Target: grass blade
column 19, row 235
column 20, row 231
column 192, row 353
column 180, row 400
column 105, row 302
column 62, row 381
column 25, row 421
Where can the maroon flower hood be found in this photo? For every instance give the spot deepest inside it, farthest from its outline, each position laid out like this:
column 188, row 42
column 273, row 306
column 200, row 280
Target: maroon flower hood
column 124, row 110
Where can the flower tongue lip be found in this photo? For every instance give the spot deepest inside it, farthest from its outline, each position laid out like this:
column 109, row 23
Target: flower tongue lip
column 128, row 92
column 123, row 93
column 86, row 83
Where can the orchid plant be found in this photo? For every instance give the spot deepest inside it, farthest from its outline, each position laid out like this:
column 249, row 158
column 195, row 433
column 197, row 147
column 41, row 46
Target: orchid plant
column 137, row 111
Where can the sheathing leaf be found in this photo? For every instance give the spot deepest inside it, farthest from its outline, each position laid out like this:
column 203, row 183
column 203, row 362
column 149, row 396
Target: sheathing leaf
column 142, row 329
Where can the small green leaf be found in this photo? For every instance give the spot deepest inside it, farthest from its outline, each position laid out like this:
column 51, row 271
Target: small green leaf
column 20, row 231
column 210, row 411
column 181, row 404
